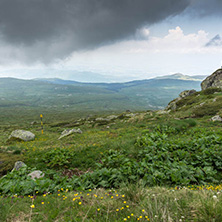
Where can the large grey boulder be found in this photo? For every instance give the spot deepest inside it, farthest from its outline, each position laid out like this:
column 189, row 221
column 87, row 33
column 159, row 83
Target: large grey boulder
column 214, row 80
column 22, row 135
column 68, row 132
column 18, row 165
column 36, row 174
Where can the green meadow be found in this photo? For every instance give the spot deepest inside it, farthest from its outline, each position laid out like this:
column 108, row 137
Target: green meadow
column 139, row 166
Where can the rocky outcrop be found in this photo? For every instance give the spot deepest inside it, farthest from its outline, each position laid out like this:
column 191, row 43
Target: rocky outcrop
column 186, row 93
column 173, row 104
column 214, row 80
column 68, row 132
column 22, row 135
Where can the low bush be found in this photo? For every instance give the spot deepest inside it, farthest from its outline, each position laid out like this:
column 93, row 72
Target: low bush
column 211, row 90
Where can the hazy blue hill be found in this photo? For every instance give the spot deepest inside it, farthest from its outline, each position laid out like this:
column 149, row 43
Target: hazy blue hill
column 57, row 93
column 58, row 81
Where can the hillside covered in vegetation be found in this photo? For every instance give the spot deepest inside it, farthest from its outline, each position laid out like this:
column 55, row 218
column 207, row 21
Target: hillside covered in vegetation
column 117, row 157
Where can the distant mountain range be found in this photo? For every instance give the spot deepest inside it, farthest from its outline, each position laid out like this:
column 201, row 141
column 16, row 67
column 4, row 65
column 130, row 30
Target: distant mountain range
column 177, row 76
column 60, row 94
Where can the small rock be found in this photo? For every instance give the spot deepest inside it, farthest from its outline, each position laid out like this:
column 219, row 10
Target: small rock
column 34, row 123
column 36, row 174
column 22, row 135
column 161, row 112
column 18, row 165
column 112, row 117
column 187, row 93
column 216, row 118
column 68, row 132
column 215, row 99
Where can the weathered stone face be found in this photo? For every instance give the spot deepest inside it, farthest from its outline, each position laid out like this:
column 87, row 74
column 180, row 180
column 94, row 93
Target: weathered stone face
column 214, row 80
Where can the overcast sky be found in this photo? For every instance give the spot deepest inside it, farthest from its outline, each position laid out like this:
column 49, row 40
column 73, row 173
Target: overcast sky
column 118, row 39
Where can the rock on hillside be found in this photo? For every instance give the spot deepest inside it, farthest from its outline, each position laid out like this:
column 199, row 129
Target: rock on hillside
column 22, row 135
column 172, row 105
column 214, row 80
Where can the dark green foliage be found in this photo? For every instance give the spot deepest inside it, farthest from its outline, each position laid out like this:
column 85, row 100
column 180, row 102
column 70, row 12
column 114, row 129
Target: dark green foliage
column 58, row 157
column 189, row 100
column 161, row 158
column 208, row 109
column 211, row 90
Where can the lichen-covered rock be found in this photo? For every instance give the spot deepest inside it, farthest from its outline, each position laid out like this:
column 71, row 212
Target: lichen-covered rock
column 36, row 174
column 18, row 165
column 187, row 93
column 216, row 118
column 22, row 135
column 214, row 80
column 68, row 132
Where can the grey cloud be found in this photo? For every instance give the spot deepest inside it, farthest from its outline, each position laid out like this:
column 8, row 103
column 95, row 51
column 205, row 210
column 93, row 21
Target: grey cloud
column 204, row 8
column 45, row 30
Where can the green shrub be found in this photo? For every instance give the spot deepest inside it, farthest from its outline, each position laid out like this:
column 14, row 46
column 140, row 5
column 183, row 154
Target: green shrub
column 211, row 90
column 58, row 157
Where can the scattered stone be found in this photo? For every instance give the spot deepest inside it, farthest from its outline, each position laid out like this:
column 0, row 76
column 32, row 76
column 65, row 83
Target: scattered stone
column 215, row 99
column 216, row 118
column 18, row 165
column 161, row 112
column 102, row 121
column 36, row 174
column 128, row 115
column 68, row 132
column 112, row 117
column 34, row 123
column 187, row 93
column 214, row 80
column 22, row 135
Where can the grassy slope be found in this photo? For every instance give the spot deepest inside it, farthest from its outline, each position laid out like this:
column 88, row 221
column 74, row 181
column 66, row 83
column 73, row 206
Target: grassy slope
column 159, row 204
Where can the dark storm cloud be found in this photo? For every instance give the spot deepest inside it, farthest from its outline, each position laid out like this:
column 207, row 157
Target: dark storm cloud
column 44, row 30
column 205, row 8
